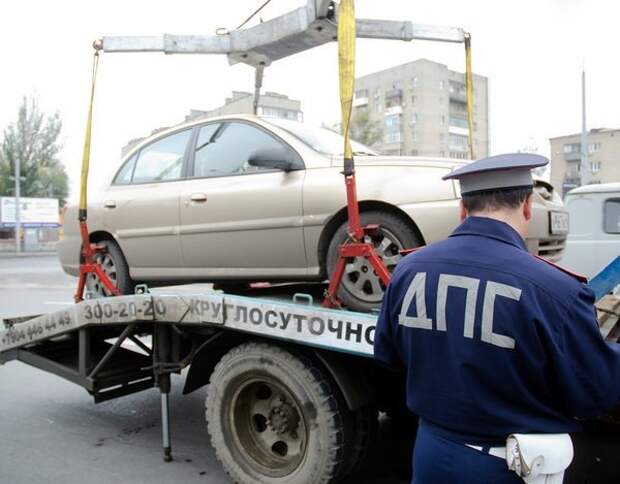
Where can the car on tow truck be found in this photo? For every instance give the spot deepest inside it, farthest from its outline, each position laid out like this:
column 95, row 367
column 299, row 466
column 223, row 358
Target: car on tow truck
column 237, row 199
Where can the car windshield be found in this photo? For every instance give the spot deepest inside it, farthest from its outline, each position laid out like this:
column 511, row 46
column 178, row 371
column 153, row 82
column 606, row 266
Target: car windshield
column 323, row 140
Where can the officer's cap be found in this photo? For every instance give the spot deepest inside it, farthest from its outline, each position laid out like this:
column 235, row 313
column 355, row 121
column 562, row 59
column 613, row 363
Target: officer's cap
column 501, row 172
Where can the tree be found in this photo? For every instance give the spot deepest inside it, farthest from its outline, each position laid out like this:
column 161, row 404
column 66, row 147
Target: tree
column 364, row 129
column 33, row 140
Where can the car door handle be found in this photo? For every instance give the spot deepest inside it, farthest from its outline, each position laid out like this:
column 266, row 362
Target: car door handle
column 198, row 197
column 109, row 204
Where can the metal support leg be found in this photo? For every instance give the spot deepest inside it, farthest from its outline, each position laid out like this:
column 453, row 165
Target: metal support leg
column 165, row 418
column 161, row 355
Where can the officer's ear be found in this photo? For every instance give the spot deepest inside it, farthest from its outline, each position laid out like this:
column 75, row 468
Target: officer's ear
column 527, row 207
column 463, row 211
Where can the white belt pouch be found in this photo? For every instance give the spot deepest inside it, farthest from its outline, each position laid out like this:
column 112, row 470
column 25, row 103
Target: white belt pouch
column 539, row 458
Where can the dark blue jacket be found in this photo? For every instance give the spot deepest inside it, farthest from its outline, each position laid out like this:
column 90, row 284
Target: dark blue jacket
column 494, row 340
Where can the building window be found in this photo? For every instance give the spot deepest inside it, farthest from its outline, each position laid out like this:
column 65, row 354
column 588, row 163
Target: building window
column 440, row 84
column 458, row 122
column 413, row 100
column 611, row 216
column 457, row 88
column 442, row 137
column 414, row 136
column 594, row 147
column 396, row 85
column 458, row 142
column 392, row 137
column 414, row 82
column 572, row 148
column 459, row 155
column 379, row 107
column 442, row 120
column 595, row 166
column 414, row 118
column 442, row 154
column 458, row 107
column 361, row 93
column 392, row 128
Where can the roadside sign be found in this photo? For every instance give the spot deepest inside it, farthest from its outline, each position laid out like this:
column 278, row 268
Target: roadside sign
column 34, row 212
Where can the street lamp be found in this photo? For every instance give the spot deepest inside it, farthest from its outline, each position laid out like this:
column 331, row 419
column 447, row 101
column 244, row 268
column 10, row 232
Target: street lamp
column 18, row 222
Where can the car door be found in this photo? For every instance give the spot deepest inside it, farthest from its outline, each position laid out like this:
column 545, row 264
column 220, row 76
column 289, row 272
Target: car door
column 237, row 219
column 141, row 207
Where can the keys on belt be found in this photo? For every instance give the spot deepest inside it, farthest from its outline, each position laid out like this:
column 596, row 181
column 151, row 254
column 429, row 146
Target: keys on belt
column 499, row 452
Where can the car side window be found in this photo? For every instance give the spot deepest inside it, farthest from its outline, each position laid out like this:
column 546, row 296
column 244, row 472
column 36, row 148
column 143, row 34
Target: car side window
column 611, row 216
column 162, row 160
column 123, row 177
column 224, row 149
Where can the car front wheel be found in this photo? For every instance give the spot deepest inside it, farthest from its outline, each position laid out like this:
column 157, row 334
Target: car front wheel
column 361, row 289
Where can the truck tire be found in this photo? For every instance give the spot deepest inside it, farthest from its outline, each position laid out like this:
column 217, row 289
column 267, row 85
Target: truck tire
column 365, row 422
column 275, row 417
column 115, row 266
column 361, row 289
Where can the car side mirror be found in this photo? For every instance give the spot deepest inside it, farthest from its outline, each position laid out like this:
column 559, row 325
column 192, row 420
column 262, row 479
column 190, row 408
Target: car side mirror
column 274, row 158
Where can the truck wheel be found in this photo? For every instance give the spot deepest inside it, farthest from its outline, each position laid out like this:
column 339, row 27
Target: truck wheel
column 366, row 426
column 361, row 289
column 115, row 266
column 274, row 417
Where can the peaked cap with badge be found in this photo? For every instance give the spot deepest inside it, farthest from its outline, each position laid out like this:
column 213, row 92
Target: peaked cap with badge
column 501, row 172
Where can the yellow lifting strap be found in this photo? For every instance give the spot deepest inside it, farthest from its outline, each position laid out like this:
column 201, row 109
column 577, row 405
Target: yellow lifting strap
column 87, row 138
column 346, row 68
column 469, row 87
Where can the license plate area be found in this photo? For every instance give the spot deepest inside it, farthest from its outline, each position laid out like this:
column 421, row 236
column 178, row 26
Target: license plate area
column 558, row 223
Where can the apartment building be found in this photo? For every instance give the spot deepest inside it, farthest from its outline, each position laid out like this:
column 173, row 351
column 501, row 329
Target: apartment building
column 271, row 104
column 421, row 108
column 603, row 159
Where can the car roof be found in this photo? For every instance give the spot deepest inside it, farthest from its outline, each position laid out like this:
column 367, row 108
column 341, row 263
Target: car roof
column 596, row 188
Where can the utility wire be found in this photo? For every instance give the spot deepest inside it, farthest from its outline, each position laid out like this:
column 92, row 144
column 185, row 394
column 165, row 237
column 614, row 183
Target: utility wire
column 253, row 14
column 224, row 31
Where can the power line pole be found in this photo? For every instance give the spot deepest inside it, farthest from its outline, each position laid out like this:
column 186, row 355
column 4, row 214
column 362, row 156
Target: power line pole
column 18, row 222
column 585, row 169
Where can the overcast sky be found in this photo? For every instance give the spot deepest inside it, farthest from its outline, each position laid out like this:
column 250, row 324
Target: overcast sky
column 531, row 50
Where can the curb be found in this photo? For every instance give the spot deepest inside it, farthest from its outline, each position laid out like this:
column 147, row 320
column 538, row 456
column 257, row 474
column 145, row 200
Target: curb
column 15, row 255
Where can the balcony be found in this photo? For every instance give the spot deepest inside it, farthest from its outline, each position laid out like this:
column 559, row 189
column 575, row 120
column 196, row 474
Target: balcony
column 360, row 102
column 458, row 130
column 572, row 156
column 393, row 110
column 394, row 95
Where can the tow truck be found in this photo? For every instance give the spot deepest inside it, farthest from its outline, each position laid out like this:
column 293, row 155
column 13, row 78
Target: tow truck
column 293, row 390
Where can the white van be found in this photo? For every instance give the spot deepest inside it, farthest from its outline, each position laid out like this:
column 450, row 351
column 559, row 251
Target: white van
column 594, row 235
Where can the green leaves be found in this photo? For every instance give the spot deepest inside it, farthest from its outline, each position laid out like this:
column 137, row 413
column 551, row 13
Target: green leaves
column 33, row 140
column 364, row 129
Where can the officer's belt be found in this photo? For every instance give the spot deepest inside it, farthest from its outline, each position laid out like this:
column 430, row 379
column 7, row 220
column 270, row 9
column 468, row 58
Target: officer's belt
column 494, row 451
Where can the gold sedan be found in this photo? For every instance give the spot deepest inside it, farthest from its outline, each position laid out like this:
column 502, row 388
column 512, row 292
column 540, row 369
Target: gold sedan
column 240, row 198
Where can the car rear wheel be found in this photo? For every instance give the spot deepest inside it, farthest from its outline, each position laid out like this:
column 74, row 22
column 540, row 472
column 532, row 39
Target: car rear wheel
column 115, row 266
column 361, row 289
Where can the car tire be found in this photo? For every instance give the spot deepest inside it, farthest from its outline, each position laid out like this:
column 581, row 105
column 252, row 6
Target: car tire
column 115, row 266
column 276, row 417
column 361, row 289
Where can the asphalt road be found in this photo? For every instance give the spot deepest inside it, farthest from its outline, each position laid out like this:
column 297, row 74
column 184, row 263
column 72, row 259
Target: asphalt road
column 51, row 431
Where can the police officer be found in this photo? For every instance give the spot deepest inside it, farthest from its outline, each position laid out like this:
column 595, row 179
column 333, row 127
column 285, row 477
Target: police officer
column 494, row 340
